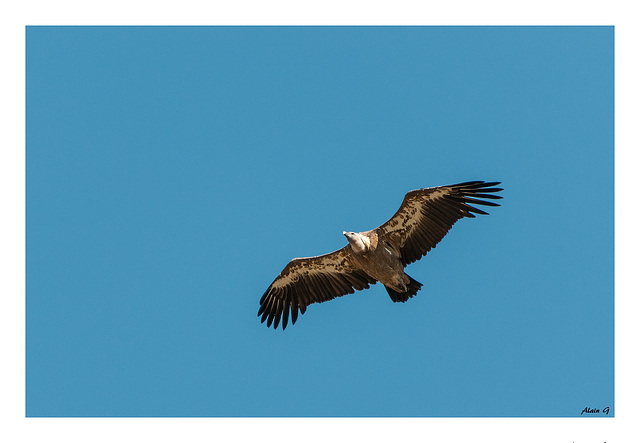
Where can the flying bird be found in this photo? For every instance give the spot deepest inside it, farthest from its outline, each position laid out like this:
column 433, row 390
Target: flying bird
column 379, row 255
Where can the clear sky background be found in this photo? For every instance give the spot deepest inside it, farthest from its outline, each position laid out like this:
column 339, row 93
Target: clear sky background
column 173, row 172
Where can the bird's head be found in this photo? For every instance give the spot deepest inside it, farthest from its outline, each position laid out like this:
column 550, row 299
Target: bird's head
column 356, row 241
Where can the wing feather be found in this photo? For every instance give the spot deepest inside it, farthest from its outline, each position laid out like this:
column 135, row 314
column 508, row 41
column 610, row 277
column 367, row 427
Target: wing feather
column 426, row 215
column 294, row 312
column 285, row 312
column 305, row 281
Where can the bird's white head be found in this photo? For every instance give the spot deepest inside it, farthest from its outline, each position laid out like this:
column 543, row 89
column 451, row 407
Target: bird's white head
column 358, row 242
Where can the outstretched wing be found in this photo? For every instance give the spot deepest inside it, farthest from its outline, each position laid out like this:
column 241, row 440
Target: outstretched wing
column 310, row 280
column 426, row 215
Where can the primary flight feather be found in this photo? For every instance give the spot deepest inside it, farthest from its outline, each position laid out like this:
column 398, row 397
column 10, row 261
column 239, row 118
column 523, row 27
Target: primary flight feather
column 379, row 255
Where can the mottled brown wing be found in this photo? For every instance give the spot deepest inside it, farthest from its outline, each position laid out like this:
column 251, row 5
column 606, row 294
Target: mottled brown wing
column 310, row 280
column 426, row 215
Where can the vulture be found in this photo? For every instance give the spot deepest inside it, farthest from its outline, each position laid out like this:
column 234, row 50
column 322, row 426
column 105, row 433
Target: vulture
column 379, row 255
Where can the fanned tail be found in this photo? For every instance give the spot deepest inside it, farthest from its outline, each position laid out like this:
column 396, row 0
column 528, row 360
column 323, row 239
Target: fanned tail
column 412, row 289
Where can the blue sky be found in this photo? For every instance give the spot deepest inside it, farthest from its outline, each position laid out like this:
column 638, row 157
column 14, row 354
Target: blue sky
column 173, row 172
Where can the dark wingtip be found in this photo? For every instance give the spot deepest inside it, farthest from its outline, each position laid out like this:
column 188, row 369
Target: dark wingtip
column 468, row 184
column 471, row 193
column 476, row 184
column 285, row 315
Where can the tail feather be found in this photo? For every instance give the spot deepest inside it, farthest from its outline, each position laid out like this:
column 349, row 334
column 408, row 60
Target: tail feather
column 412, row 289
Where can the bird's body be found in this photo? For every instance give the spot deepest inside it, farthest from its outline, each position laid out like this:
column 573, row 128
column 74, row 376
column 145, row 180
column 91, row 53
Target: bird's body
column 380, row 259
column 378, row 255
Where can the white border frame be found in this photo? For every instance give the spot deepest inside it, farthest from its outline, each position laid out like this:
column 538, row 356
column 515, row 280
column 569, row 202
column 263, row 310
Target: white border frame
column 328, row 12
